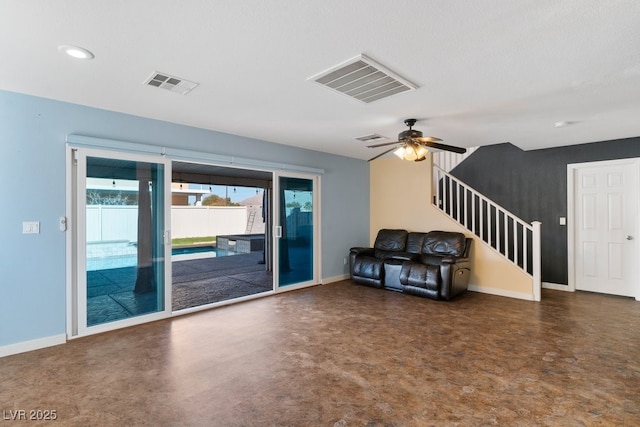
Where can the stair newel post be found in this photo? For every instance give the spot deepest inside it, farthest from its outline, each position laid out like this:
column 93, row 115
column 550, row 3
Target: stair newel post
column 434, row 179
column 537, row 261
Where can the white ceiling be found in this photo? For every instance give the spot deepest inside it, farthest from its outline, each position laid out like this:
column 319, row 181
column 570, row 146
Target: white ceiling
column 488, row 71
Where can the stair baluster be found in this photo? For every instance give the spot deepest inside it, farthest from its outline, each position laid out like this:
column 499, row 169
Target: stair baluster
column 508, row 235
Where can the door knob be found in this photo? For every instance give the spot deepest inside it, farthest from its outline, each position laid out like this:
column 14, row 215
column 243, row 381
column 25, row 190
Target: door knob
column 629, row 237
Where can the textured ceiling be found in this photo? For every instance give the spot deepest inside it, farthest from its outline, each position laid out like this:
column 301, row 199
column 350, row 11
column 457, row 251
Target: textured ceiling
column 488, row 71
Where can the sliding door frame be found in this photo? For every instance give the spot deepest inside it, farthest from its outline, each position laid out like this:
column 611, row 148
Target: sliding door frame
column 76, row 241
column 156, row 153
column 317, row 260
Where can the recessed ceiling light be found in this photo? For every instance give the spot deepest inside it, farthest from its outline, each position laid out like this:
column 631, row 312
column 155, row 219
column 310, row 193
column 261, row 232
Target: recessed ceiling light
column 76, row 52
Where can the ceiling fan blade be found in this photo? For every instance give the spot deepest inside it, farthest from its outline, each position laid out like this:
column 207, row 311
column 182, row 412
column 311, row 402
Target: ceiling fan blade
column 382, row 154
column 427, row 139
column 383, row 144
column 445, row 147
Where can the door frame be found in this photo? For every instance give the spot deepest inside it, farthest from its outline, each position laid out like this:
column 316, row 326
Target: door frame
column 216, row 163
column 572, row 211
column 317, row 258
column 76, row 179
column 123, row 147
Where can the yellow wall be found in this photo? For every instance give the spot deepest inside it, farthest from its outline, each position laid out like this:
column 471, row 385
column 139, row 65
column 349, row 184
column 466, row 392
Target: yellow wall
column 400, row 193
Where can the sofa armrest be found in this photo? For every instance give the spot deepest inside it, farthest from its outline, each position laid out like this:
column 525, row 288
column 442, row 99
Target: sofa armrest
column 356, row 251
column 454, row 260
column 361, row 251
column 455, row 274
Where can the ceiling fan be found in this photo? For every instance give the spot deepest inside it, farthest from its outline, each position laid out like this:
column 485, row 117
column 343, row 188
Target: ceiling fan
column 414, row 146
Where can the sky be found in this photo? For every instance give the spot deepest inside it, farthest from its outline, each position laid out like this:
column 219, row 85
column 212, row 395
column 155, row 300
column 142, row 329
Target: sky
column 237, row 194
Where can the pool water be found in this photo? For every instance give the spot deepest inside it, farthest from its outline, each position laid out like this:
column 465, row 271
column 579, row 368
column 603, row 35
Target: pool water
column 195, row 250
column 104, row 256
column 198, row 252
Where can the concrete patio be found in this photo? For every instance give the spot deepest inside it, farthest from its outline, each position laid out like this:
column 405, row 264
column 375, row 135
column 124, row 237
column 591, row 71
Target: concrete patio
column 196, row 282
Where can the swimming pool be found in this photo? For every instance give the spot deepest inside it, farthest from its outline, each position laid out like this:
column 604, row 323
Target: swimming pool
column 104, row 256
column 195, row 250
column 198, row 252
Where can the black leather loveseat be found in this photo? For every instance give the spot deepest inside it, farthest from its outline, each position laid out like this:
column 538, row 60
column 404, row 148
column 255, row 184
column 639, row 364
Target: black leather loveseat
column 434, row 264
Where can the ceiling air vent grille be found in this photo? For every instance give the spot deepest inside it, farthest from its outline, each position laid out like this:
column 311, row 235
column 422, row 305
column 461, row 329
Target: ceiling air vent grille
column 170, row 83
column 363, row 79
column 371, row 138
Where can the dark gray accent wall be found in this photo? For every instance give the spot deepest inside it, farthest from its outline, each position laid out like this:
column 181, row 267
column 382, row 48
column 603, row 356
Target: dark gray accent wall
column 533, row 185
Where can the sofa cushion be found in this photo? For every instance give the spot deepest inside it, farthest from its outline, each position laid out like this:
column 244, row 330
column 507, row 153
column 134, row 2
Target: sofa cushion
column 369, row 267
column 390, row 241
column 415, row 242
column 420, row 275
column 444, row 243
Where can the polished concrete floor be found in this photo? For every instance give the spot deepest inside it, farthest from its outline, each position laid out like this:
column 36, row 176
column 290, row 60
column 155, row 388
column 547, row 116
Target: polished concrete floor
column 348, row 355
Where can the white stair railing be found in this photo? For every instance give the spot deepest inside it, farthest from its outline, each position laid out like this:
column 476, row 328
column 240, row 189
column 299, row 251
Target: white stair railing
column 513, row 238
column 448, row 160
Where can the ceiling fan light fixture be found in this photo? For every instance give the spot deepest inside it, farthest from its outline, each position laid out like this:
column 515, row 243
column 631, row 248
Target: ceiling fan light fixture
column 421, row 151
column 413, row 146
column 411, row 152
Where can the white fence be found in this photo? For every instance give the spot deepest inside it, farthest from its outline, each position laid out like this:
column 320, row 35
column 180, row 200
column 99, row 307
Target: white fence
column 110, row 223
column 192, row 221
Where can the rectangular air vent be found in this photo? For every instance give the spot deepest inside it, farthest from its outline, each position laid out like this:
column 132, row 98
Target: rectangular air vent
column 363, row 79
column 371, row 138
column 170, row 83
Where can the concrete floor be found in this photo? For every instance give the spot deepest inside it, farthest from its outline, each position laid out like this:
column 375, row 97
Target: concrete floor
column 348, row 355
column 195, row 282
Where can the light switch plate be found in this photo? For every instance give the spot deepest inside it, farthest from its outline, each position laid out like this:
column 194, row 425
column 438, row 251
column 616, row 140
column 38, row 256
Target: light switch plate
column 563, row 220
column 30, row 227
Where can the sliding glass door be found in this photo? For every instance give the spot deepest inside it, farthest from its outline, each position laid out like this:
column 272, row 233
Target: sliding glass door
column 296, row 243
column 122, row 249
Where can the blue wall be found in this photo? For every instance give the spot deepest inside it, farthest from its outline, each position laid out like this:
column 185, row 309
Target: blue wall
column 32, row 175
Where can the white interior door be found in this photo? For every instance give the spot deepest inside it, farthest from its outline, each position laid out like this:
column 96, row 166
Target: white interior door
column 606, row 224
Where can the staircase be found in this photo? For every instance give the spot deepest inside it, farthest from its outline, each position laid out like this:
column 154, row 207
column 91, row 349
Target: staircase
column 517, row 241
column 448, row 160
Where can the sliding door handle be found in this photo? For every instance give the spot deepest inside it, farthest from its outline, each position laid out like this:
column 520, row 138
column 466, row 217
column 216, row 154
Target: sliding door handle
column 278, row 231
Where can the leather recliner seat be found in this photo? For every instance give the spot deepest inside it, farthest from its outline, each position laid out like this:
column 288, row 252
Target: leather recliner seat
column 367, row 264
column 434, row 265
column 443, row 268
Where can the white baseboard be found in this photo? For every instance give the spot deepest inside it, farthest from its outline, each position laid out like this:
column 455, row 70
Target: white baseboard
column 328, row 280
column 501, row 292
column 23, row 347
column 556, row 286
